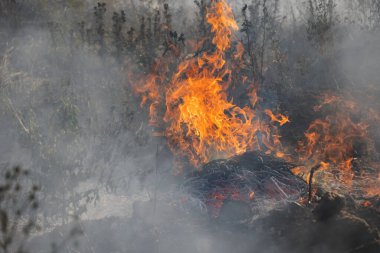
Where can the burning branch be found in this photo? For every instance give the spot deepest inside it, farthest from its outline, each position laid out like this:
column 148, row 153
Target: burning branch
column 313, row 169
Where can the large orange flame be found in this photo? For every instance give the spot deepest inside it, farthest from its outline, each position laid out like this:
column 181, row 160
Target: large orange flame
column 200, row 121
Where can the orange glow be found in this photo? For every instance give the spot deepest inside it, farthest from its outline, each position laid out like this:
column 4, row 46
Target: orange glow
column 299, row 170
column 216, row 199
column 372, row 186
column 326, row 100
column 366, row 203
column 251, row 196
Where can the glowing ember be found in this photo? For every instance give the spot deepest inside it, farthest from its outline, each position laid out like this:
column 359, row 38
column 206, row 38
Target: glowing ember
column 251, row 196
column 216, row 199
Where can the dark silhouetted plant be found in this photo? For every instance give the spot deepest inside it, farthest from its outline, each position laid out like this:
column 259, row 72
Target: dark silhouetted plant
column 18, row 209
column 117, row 33
column 320, row 21
column 99, row 13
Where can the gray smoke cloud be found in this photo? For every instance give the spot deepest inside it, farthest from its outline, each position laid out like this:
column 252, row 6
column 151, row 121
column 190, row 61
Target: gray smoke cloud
column 69, row 115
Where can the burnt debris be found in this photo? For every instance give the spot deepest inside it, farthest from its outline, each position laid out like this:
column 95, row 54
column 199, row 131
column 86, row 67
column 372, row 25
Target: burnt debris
column 261, row 181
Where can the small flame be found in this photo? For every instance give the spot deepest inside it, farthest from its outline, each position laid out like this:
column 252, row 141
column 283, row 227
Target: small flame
column 330, row 142
column 281, row 119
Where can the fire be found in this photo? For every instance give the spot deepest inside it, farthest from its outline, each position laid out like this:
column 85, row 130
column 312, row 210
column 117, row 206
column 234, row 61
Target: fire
column 200, row 121
column 193, row 110
column 151, row 90
column 326, row 100
column 330, row 142
column 281, row 119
